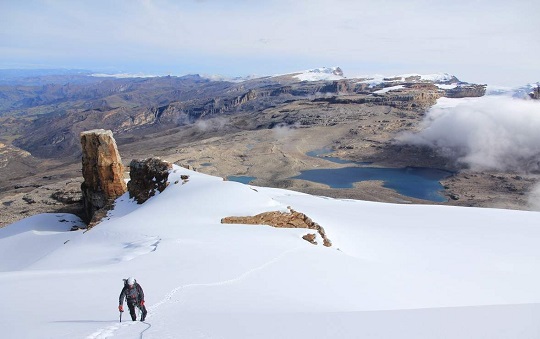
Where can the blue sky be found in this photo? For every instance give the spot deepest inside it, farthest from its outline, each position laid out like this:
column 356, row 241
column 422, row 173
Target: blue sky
column 493, row 42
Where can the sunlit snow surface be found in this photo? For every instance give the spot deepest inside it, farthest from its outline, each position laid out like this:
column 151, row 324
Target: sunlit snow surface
column 394, row 271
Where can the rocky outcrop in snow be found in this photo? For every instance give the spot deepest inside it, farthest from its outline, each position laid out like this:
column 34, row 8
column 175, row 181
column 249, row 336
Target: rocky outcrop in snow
column 535, row 94
column 147, row 177
column 293, row 219
column 102, row 171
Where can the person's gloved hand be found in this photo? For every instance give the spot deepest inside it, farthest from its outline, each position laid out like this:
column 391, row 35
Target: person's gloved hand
column 121, row 308
column 142, row 302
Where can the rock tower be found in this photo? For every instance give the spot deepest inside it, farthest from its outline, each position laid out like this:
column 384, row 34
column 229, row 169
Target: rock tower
column 102, row 170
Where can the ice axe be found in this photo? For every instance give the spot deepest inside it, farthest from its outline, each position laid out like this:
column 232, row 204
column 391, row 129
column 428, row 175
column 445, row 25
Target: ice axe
column 121, row 315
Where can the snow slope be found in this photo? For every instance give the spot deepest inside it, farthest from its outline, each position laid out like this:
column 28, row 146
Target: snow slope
column 394, row 271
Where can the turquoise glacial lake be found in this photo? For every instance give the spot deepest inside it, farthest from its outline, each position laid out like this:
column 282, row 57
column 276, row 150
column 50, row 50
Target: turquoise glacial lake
column 416, row 182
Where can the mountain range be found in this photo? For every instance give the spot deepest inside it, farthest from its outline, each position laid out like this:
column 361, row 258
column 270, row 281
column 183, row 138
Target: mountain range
column 260, row 127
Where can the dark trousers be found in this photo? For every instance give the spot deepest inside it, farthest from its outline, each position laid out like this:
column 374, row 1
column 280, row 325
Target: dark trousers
column 132, row 305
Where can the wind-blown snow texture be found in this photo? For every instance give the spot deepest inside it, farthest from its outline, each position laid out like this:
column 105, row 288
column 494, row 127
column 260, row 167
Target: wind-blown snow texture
column 395, row 271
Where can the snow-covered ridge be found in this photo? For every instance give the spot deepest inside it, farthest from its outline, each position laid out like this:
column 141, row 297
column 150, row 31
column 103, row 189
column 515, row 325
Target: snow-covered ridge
column 388, row 89
column 469, row 270
column 217, row 77
column 335, row 73
column 318, row 74
column 378, row 79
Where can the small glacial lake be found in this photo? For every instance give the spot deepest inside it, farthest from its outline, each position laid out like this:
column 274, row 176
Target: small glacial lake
column 416, row 182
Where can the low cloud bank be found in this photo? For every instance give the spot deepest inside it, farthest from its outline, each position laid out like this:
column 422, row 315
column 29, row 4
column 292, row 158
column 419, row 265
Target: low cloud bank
column 214, row 124
column 487, row 133
column 534, row 198
column 281, row 131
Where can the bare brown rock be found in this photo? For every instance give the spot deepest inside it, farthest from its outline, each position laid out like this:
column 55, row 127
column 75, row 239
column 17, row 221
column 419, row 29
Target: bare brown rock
column 310, row 237
column 102, row 170
column 292, row 219
column 146, row 177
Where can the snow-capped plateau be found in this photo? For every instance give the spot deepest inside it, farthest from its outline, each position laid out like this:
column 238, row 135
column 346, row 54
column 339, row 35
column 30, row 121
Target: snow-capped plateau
column 318, row 74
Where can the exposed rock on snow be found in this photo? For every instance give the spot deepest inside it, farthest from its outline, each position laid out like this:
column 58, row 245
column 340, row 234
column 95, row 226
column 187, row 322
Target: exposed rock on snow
column 310, row 237
column 293, row 219
column 102, row 170
column 147, row 177
column 323, row 73
column 535, row 94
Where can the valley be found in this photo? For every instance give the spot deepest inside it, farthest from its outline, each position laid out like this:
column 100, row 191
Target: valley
column 261, row 128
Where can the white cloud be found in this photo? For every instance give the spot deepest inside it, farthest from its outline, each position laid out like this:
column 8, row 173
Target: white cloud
column 484, row 133
column 282, row 130
column 211, row 124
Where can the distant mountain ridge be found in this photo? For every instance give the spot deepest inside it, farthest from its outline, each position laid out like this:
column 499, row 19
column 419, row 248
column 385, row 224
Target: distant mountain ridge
column 59, row 112
column 40, row 77
column 260, row 127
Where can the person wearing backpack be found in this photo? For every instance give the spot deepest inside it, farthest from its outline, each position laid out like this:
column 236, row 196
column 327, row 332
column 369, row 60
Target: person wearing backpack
column 134, row 295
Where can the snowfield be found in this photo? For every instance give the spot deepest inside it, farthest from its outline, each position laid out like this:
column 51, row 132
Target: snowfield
column 394, row 271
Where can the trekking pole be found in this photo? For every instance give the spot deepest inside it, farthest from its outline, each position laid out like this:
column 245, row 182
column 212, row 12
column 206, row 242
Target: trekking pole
column 121, row 316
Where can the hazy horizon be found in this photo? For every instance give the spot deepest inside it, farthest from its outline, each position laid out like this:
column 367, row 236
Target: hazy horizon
column 491, row 42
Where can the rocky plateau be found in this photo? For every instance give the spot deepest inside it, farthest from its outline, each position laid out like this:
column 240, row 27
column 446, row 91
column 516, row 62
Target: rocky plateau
column 259, row 127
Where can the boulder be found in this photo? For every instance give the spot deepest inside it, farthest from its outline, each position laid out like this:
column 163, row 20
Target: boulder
column 146, row 177
column 102, row 171
column 310, row 237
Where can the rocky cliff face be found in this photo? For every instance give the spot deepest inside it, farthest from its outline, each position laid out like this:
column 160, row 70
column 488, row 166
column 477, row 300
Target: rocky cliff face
column 102, row 171
column 147, row 177
column 407, row 99
column 465, row 91
column 128, row 106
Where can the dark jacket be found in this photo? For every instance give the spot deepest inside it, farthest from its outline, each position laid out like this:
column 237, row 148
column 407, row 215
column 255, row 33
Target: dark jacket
column 133, row 295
